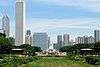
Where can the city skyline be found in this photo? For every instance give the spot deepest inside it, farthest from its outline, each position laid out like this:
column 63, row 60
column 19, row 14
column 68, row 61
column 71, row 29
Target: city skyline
column 57, row 17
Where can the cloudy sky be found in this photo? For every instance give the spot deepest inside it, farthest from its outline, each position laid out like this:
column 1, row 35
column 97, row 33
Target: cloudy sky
column 56, row 17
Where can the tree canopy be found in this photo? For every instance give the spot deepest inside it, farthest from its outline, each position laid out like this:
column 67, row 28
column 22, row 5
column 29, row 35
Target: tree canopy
column 97, row 46
column 5, row 45
column 75, row 47
column 30, row 49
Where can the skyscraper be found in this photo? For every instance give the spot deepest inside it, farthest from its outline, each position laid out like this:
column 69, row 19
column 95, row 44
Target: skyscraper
column 28, row 32
column 55, row 46
column 6, row 25
column 72, row 43
column 1, row 31
column 20, row 23
column 66, row 39
column 97, row 35
column 91, row 39
column 84, row 39
column 40, row 40
column 59, row 41
column 28, row 38
column 49, row 42
column 79, row 40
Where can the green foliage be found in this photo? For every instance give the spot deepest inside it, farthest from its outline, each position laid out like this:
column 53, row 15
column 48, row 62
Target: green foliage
column 66, row 49
column 5, row 45
column 57, row 62
column 91, row 59
column 32, row 58
column 2, row 35
column 16, row 60
column 97, row 46
column 30, row 49
column 37, row 49
column 95, row 60
column 75, row 47
column 76, row 57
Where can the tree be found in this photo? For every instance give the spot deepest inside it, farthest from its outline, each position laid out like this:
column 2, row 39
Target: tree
column 65, row 49
column 37, row 49
column 30, row 49
column 75, row 47
column 5, row 45
column 97, row 46
column 2, row 35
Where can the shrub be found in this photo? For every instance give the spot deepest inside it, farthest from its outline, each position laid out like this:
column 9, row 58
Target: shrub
column 95, row 60
column 76, row 57
column 16, row 60
column 1, row 63
column 31, row 58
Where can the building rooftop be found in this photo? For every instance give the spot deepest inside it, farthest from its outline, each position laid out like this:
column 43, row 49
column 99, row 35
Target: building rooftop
column 86, row 49
column 17, row 49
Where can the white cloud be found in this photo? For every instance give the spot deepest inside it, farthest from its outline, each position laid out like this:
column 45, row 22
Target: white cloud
column 54, row 26
column 41, row 24
column 92, row 5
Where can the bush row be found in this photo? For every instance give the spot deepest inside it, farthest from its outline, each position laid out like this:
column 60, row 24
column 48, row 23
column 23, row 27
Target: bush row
column 91, row 59
column 16, row 60
column 76, row 57
column 95, row 60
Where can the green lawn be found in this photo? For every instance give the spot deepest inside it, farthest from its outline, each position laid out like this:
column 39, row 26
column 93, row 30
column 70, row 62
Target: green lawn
column 56, row 62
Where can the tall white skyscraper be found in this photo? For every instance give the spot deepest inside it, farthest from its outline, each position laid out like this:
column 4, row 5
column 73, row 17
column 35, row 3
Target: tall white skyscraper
column 66, row 39
column 6, row 25
column 40, row 40
column 97, row 35
column 20, row 23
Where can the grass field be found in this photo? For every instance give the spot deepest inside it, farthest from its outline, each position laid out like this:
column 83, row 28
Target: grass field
column 57, row 62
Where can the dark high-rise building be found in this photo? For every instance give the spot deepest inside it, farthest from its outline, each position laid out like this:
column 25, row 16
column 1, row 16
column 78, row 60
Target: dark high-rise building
column 40, row 40
column 59, row 41
column 48, row 42
column 55, row 46
column 28, row 32
column 28, row 37
column 97, row 35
